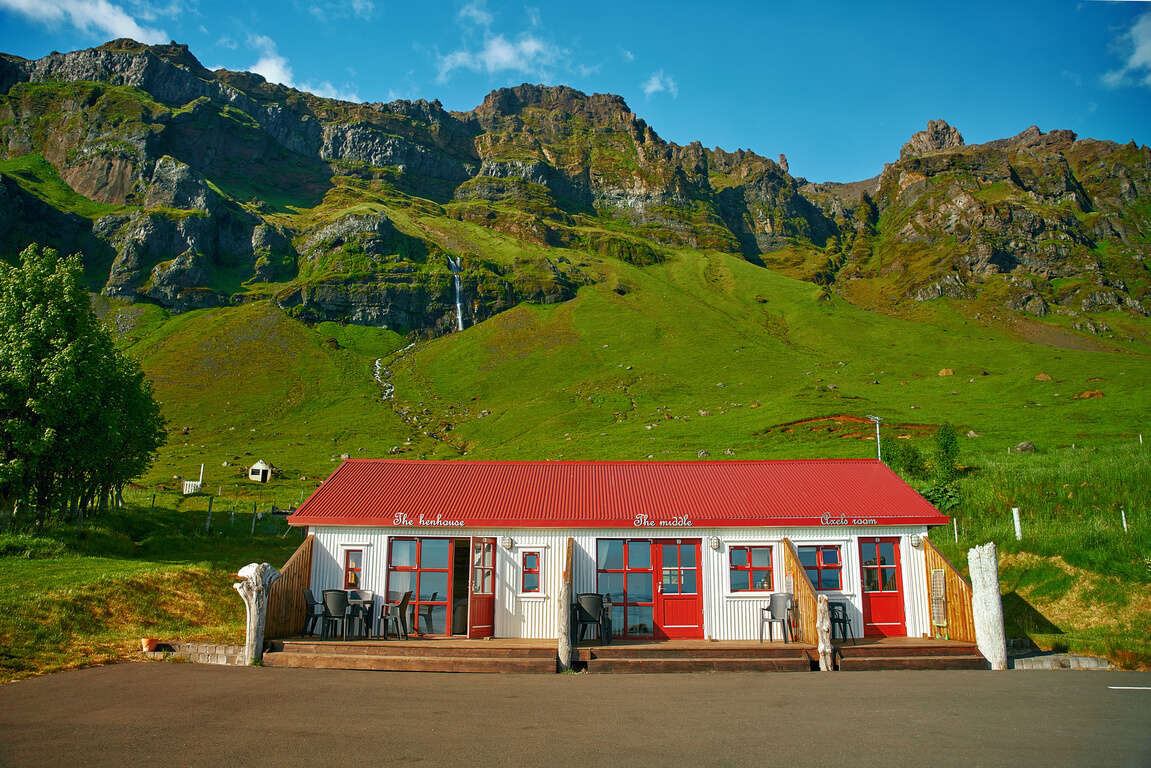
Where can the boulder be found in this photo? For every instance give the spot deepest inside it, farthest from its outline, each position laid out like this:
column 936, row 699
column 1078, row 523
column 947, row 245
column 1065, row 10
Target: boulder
column 1025, row 447
column 946, row 372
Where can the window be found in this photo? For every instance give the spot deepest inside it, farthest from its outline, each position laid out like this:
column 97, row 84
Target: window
column 750, row 569
column 353, row 568
column 824, row 565
column 530, row 576
column 625, row 576
column 423, row 567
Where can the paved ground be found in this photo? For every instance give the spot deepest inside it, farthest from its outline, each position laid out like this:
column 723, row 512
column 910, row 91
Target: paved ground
column 191, row 715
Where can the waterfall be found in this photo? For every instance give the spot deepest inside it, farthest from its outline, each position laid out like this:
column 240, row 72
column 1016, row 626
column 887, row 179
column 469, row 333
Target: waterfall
column 454, row 264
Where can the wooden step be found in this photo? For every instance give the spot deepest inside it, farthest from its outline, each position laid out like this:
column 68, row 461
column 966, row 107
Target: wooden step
column 861, row 663
column 879, row 651
column 796, row 663
column 400, row 648
column 718, row 652
column 409, row 663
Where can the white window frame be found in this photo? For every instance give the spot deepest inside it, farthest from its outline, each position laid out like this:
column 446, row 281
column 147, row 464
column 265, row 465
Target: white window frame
column 540, row 550
column 776, row 567
column 342, row 558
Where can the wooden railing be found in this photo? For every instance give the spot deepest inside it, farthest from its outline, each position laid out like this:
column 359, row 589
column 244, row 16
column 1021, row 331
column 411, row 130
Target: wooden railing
column 956, row 592
column 803, row 594
column 286, row 609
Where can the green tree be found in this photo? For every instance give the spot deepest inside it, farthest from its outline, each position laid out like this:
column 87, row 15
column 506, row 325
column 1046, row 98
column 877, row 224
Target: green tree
column 77, row 418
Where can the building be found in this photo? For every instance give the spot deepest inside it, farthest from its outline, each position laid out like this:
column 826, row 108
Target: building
column 682, row 549
column 260, row 472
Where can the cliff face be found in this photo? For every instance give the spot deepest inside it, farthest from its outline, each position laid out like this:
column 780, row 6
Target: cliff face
column 195, row 188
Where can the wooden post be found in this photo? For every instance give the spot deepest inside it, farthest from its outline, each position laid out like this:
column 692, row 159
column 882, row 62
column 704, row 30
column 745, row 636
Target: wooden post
column 823, row 628
column 153, row 501
column 1124, row 516
column 955, row 525
column 1018, row 525
column 563, row 612
column 986, row 604
column 253, row 531
column 208, row 522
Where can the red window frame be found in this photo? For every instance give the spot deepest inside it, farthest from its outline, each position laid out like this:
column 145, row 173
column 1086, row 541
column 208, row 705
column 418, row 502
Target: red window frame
column 815, row 573
column 353, row 576
column 526, row 570
column 417, row 586
column 750, row 569
column 623, row 612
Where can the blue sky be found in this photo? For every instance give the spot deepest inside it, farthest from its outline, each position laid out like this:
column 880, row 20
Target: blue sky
column 836, row 86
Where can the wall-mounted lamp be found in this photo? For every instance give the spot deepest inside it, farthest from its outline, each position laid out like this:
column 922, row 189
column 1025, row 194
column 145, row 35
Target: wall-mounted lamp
column 507, row 542
column 713, row 542
column 916, row 541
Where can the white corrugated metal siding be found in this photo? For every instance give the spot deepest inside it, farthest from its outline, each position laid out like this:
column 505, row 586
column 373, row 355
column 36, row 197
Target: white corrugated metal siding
column 726, row 616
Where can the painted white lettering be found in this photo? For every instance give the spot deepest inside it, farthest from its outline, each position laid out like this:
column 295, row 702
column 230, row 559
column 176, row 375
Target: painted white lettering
column 642, row 521
column 401, row 519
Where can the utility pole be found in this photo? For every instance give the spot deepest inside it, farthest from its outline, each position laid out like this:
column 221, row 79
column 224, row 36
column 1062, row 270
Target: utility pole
column 878, row 450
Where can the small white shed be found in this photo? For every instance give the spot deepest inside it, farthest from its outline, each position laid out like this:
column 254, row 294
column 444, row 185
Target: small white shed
column 260, row 472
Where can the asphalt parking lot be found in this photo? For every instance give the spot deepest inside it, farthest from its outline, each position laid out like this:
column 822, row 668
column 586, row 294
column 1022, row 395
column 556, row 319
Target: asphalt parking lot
column 193, row 715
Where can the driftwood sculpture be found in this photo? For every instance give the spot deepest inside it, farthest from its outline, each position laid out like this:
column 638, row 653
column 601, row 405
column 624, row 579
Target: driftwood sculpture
column 253, row 590
column 823, row 629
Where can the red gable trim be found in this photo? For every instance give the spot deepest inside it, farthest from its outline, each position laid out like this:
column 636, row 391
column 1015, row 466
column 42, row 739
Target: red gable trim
column 450, row 495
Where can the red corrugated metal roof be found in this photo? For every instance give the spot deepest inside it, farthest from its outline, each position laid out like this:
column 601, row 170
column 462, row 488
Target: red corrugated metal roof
column 562, row 494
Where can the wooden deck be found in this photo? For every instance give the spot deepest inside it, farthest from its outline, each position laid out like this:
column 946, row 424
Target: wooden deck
column 622, row 656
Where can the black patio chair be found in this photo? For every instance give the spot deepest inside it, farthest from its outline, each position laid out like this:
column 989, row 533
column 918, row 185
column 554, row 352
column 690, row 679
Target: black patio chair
column 360, row 618
column 335, row 612
column 315, row 610
column 591, row 609
column 425, row 613
column 396, row 616
column 838, row 613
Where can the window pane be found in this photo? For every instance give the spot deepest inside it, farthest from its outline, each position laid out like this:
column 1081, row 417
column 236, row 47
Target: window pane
column 670, row 555
column 670, row 581
column 830, row 579
column 688, row 586
column 886, row 553
column 355, row 558
column 609, row 553
column 831, row 555
column 403, row 553
column 740, row 581
column 807, row 556
column 638, row 554
column 531, row 561
column 433, row 584
column 400, row 582
column 489, row 555
column 870, row 579
column 761, row 557
column 868, row 552
column 531, row 582
column 478, row 553
column 489, row 576
column 617, row 623
column 433, row 619
column 639, row 620
column 639, row 587
column 762, row 580
column 611, row 584
column 687, row 555
column 738, row 556
column 434, row 553
column 813, row 574
column 889, row 582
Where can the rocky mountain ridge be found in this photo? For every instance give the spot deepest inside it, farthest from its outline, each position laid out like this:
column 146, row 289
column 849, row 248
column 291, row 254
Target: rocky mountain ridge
column 195, row 188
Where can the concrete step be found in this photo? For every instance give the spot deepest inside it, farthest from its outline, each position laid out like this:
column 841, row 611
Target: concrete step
column 861, row 663
column 796, row 663
column 410, row 663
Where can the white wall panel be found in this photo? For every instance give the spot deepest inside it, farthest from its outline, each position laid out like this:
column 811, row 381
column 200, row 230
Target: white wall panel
column 726, row 616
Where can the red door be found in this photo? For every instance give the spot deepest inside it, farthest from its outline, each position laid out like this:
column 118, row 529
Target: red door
column 882, row 587
column 679, row 599
column 482, row 589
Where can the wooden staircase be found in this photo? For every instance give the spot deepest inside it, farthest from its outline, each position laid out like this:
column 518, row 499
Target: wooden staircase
column 936, row 655
column 411, row 656
column 702, row 657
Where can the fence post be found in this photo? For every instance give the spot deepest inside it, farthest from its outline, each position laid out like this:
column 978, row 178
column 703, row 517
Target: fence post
column 1018, row 525
column 153, row 502
column 563, row 612
column 208, row 522
column 987, row 605
column 955, row 524
column 1124, row 516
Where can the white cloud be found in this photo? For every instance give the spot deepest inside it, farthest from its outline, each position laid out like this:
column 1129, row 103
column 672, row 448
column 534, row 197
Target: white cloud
column 227, row 42
column 660, row 83
column 1136, row 42
column 529, row 54
column 275, row 68
column 628, row 55
column 533, row 16
column 477, row 12
column 94, row 17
